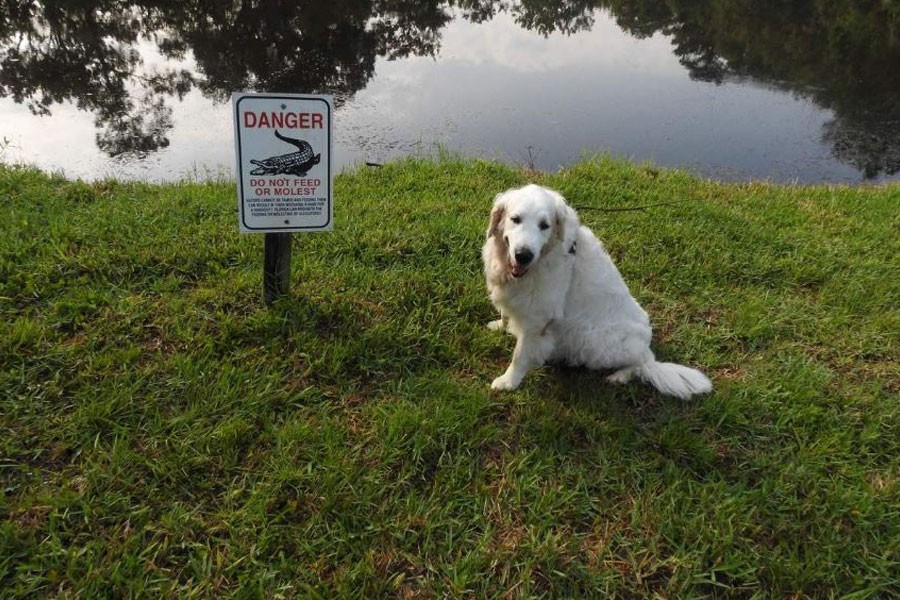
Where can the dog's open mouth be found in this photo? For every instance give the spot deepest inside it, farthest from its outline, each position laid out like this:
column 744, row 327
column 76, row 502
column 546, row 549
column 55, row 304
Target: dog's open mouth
column 517, row 270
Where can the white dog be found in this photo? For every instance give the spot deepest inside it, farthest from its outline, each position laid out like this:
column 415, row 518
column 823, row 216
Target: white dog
column 561, row 296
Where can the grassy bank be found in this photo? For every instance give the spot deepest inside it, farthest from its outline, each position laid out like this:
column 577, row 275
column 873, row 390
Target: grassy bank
column 163, row 434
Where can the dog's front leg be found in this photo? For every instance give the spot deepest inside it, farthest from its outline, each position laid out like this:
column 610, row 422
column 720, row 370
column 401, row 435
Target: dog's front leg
column 532, row 349
column 500, row 324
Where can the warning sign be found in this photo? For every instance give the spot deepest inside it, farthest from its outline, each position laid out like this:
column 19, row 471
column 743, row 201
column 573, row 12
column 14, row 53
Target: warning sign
column 283, row 148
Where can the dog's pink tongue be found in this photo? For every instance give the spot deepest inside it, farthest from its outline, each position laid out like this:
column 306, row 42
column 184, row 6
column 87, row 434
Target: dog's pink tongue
column 516, row 270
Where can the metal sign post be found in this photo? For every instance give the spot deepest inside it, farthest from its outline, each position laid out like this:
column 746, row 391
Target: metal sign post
column 276, row 266
column 284, row 177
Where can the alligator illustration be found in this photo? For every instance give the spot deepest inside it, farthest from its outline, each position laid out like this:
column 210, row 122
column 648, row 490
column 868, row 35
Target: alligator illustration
column 295, row 163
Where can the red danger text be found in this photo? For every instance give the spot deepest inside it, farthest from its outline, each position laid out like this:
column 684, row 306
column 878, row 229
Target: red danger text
column 276, row 120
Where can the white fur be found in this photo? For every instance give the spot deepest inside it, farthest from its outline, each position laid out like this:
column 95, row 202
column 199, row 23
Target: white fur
column 568, row 303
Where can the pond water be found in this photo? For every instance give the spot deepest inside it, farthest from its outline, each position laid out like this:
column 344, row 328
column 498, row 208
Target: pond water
column 802, row 91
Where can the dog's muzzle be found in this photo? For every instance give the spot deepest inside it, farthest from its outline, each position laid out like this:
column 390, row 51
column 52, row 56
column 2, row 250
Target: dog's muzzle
column 521, row 260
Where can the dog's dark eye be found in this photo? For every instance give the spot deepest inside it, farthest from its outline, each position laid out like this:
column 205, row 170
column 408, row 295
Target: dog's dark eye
column 516, row 219
column 544, row 225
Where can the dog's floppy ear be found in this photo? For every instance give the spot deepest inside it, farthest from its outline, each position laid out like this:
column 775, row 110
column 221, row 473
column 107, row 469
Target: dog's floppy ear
column 497, row 213
column 566, row 223
column 494, row 251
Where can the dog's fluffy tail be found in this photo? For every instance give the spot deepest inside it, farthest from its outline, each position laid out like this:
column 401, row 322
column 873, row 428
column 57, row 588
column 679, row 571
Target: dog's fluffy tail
column 674, row 380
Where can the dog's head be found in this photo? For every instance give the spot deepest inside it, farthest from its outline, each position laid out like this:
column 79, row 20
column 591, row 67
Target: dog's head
column 527, row 223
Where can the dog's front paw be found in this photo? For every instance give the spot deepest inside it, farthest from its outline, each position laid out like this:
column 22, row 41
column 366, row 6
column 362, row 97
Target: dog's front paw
column 504, row 383
column 496, row 325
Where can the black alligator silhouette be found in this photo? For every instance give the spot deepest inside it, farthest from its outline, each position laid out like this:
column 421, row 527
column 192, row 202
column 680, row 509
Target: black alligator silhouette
column 295, row 163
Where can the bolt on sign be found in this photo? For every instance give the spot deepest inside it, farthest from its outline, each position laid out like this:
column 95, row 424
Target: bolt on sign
column 283, row 149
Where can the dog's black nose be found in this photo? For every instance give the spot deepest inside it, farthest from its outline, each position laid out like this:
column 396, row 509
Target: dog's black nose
column 524, row 256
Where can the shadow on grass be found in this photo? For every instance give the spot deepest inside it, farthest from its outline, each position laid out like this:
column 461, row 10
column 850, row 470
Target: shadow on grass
column 576, row 411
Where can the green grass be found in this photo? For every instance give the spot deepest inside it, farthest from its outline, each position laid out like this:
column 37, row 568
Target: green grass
column 163, row 434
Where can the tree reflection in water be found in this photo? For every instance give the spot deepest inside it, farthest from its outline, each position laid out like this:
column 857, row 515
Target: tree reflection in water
column 841, row 54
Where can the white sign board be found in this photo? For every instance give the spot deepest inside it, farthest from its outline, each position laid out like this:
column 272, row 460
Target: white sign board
column 283, row 148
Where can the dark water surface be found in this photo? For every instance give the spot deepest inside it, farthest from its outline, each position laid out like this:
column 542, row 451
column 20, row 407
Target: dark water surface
column 791, row 91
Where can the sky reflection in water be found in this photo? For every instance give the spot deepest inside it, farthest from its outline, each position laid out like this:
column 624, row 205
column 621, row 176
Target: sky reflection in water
column 498, row 90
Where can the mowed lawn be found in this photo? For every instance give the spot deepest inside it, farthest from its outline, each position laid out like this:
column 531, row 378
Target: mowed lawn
column 164, row 434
